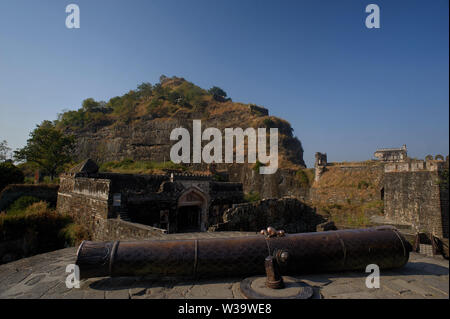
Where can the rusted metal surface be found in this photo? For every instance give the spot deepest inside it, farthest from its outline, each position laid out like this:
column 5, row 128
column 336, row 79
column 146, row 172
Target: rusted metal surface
column 244, row 256
column 274, row 279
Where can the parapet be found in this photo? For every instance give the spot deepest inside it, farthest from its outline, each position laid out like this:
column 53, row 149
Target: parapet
column 429, row 165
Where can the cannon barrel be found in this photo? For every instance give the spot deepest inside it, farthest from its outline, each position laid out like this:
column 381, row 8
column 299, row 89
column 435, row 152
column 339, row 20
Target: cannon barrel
column 227, row 257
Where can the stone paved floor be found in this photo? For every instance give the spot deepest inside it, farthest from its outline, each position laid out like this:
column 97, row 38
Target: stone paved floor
column 43, row 276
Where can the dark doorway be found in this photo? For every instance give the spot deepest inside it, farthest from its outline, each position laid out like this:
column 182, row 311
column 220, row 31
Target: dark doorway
column 188, row 219
column 382, row 194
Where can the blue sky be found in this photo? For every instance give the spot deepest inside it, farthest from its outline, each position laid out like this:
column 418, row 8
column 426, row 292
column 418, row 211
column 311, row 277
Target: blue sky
column 345, row 89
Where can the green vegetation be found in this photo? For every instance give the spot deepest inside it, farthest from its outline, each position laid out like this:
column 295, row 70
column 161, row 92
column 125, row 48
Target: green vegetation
column 42, row 228
column 10, row 174
column 305, row 177
column 218, row 94
column 347, row 215
column 160, row 100
column 91, row 113
column 21, row 204
column 274, row 122
column 363, row 185
column 352, row 215
column 4, row 150
column 268, row 123
column 139, row 167
column 252, row 197
column 376, row 206
column 257, row 165
column 73, row 234
column 47, row 147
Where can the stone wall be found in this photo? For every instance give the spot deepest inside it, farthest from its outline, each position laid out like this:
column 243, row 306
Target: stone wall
column 86, row 200
column 132, row 206
column 116, row 229
column 12, row 192
column 416, row 198
column 285, row 213
column 283, row 183
column 444, row 198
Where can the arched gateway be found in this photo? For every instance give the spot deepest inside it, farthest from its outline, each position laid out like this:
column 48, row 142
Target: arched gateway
column 192, row 208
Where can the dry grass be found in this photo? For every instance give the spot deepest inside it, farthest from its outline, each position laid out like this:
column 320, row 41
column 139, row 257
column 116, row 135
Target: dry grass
column 335, row 177
column 351, row 215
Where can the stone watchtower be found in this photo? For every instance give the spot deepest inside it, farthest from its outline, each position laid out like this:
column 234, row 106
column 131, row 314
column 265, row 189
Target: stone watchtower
column 320, row 164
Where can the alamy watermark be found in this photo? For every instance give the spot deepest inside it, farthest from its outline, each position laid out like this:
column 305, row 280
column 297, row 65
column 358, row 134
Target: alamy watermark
column 373, row 19
column 212, row 152
column 73, row 19
column 73, row 279
column 373, row 280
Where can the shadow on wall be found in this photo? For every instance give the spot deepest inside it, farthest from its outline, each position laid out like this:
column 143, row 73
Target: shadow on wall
column 287, row 213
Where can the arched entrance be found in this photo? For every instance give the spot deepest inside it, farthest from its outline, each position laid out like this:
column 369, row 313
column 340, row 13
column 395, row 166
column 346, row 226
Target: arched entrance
column 192, row 211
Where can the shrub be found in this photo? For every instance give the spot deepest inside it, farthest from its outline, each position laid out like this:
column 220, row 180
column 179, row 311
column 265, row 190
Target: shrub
column 37, row 219
column 252, row 197
column 268, row 123
column 42, row 228
column 73, row 234
column 217, row 93
column 145, row 89
column 257, row 165
column 303, row 178
column 10, row 174
column 21, row 204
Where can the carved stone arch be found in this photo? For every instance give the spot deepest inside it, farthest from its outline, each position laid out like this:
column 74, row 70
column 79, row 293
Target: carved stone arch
column 429, row 157
column 439, row 157
column 193, row 201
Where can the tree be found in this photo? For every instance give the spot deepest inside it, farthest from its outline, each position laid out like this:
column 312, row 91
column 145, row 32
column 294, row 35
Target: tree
column 10, row 174
column 145, row 89
column 163, row 78
column 4, row 151
column 125, row 111
column 49, row 148
column 90, row 105
column 217, row 93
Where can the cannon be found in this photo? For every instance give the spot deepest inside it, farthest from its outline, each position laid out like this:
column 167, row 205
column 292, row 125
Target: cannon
column 295, row 254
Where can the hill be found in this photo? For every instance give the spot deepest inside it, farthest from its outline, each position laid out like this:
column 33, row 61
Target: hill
column 137, row 125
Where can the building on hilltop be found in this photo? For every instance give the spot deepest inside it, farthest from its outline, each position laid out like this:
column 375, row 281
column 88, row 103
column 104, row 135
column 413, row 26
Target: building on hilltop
column 391, row 154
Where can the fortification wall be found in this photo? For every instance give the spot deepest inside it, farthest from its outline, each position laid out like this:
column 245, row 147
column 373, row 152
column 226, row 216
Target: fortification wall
column 116, row 229
column 285, row 213
column 414, row 197
column 86, row 200
column 283, row 183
